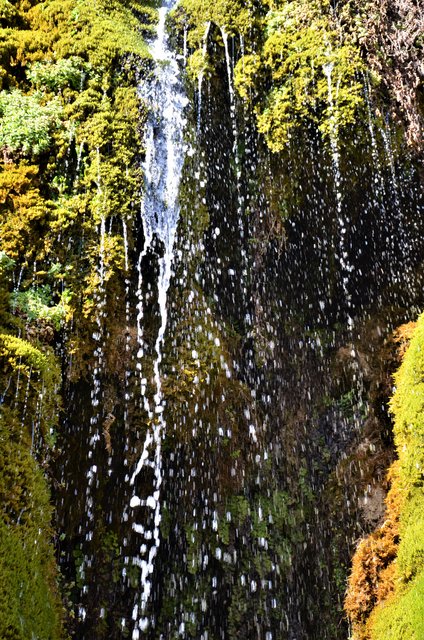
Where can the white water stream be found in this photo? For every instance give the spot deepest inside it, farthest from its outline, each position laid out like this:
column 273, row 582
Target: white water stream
column 343, row 255
column 160, row 214
column 201, row 74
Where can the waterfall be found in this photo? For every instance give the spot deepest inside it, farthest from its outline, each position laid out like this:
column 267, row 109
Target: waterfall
column 400, row 235
column 211, row 249
column 160, row 214
column 232, row 99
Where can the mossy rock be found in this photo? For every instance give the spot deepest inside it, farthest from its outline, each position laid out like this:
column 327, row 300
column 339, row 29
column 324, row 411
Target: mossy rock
column 399, row 613
column 29, row 603
column 402, row 616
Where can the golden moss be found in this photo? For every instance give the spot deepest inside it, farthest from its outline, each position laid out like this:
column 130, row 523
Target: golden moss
column 373, row 569
column 22, row 212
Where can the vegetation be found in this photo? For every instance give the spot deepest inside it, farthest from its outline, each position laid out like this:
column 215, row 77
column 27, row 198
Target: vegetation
column 386, row 586
column 70, row 137
column 26, row 124
column 304, row 69
column 299, row 62
column 29, row 602
column 311, row 75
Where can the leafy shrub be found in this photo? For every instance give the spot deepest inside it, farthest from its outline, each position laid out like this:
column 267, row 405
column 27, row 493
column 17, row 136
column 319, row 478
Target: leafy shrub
column 67, row 72
column 26, row 124
column 36, row 304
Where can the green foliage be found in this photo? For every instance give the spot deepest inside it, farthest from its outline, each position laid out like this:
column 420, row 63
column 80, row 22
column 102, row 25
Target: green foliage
column 311, row 74
column 36, row 304
column 234, row 16
column 55, row 76
column 289, row 55
column 26, row 124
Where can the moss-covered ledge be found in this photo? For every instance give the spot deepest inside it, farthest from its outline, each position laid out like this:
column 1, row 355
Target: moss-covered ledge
column 385, row 600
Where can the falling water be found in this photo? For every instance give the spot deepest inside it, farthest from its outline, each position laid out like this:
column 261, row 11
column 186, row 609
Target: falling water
column 79, row 162
column 231, row 91
column 127, row 318
column 160, row 213
column 201, row 74
column 400, row 235
column 185, row 49
column 343, row 256
column 96, row 391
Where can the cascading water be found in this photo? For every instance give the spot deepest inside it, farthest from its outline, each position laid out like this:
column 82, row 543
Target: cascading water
column 96, row 392
column 201, row 74
column 160, row 213
column 343, row 255
column 230, row 418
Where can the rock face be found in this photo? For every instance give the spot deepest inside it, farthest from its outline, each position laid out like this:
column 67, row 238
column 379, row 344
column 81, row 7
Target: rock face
column 222, row 398
column 394, row 33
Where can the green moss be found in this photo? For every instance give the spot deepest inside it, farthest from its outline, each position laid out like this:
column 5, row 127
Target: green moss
column 301, row 51
column 197, row 65
column 29, row 603
column 410, row 558
column 232, row 15
column 402, row 615
column 27, row 609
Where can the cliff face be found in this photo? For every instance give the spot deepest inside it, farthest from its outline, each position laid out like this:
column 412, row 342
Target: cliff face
column 299, row 249
column 392, row 44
